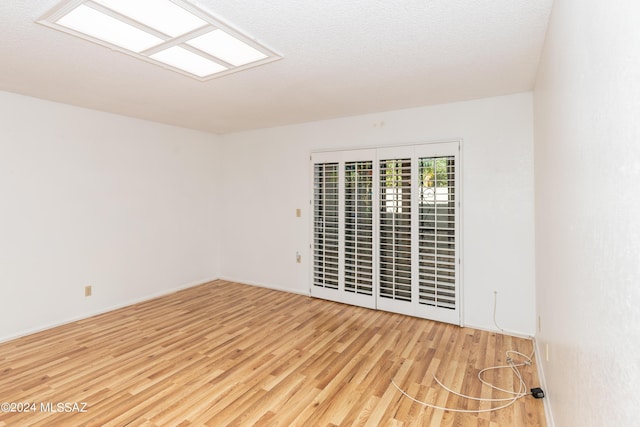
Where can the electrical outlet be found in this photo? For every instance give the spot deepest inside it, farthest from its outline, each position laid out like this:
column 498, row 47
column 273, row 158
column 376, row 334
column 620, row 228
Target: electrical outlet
column 87, row 291
column 539, row 323
column 298, row 212
column 546, row 352
column 298, row 257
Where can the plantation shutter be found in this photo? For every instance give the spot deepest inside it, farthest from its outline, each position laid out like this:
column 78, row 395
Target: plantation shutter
column 395, row 229
column 325, row 226
column 386, row 229
column 358, row 239
column 437, row 228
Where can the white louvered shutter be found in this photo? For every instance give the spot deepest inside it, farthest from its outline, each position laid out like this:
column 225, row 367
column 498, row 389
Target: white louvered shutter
column 386, row 229
column 437, row 232
column 358, row 234
column 395, row 229
column 325, row 226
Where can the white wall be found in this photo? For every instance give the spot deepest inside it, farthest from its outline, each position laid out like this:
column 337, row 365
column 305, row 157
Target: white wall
column 587, row 168
column 88, row 198
column 266, row 177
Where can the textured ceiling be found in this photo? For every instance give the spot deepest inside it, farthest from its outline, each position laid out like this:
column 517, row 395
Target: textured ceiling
column 341, row 58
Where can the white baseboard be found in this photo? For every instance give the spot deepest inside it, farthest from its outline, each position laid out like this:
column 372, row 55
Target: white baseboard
column 543, row 384
column 104, row 310
column 500, row 331
column 263, row 285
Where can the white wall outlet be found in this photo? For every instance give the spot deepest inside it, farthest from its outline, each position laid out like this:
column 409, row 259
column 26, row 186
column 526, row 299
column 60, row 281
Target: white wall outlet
column 546, row 352
column 539, row 323
column 298, row 257
column 298, row 213
column 87, row 291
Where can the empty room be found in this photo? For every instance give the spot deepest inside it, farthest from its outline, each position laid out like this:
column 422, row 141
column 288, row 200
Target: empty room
column 402, row 213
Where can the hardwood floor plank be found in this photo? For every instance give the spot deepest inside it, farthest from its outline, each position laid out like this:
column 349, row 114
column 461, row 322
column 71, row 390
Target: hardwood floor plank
column 229, row 354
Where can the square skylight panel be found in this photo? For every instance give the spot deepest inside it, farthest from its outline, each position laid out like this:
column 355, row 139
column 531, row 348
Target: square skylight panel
column 171, row 33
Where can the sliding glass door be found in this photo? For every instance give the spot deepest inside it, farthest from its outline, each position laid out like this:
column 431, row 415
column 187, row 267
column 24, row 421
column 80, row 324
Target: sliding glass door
column 343, row 227
column 386, row 229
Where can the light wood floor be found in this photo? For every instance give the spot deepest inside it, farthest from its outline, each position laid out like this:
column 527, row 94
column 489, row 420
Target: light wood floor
column 230, row 354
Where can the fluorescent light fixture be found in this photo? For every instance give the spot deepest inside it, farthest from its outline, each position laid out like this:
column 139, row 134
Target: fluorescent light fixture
column 166, row 17
column 228, row 48
column 93, row 23
column 171, row 33
column 188, row 61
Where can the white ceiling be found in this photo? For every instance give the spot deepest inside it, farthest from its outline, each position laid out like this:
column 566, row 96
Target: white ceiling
column 341, row 58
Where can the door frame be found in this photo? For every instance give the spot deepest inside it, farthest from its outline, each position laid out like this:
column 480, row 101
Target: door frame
column 446, row 148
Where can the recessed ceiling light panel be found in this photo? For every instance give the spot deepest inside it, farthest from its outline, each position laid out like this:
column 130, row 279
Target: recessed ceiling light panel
column 104, row 27
column 166, row 16
column 226, row 47
column 188, row 61
column 170, row 33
